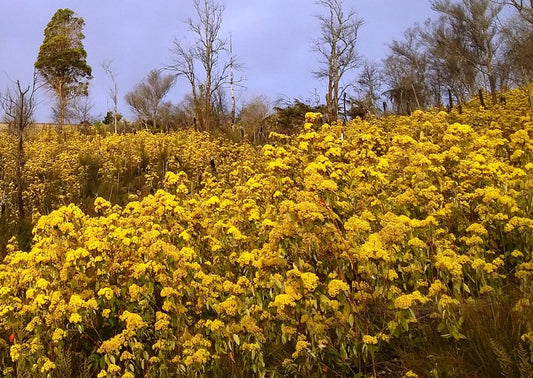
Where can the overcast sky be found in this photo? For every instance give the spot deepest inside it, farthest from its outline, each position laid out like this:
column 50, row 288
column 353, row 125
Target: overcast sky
column 271, row 38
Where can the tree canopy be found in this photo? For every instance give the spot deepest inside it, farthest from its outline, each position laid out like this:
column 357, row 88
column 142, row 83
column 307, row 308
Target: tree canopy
column 62, row 59
column 146, row 97
column 336, row 47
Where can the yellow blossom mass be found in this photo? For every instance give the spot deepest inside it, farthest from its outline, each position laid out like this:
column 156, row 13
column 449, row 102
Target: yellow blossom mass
column 323, row 252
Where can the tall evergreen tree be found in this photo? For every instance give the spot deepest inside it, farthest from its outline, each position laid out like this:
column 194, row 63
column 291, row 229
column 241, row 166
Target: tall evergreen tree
column 62, row 60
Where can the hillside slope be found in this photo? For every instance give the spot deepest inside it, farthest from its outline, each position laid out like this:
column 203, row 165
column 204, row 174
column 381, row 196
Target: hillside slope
column 343, row 250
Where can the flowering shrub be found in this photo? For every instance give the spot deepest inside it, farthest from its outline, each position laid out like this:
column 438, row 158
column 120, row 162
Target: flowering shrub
column 310, row 254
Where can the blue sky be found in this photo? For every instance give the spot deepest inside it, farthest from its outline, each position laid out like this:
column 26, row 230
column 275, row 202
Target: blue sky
column 271, row 38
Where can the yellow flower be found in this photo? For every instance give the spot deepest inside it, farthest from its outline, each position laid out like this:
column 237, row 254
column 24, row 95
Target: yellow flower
column 283, row 300
column 337, row 286
column 15, row 352
column 436, row 287
column 58, row 335
column 229, row 306
column 490, row 268
column 42, row 283
column 113, row 344
column 373, row 248
column 168, row 291
column 133, row 321
column 201, row 356
column 251, row 347
column 473, row 240
column 112, row 369
column 357, row 225
column 372, row 340
column 310, row 281
column 101, row 204
column 47, row 366
column 416, row 243
column 450, row 261
column 522, row 305
column 134, row 291
column 391, row 275
column 486, row 289
column 106, row 292
column 76, row 302
column 407, row 300
column 301, row 345
column 327, row 185
column 477, row 228
column 30, row 293
column 446, row 301
column 249, row 324
column 215, row 325
column 212, row 201
column 75, row 318
column 304, row 146
column 162, row 321
column 312, row 117
column 237, row 235
column 125, row 356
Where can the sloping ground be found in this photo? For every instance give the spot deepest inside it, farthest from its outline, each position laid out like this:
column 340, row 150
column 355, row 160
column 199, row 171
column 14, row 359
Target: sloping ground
column 371, row 248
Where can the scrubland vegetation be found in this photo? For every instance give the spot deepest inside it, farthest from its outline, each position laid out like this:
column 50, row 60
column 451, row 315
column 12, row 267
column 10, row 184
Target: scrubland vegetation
column 397, row 245
column 344, row 239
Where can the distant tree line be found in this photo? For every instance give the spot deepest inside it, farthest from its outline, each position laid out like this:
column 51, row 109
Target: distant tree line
column 469, row 47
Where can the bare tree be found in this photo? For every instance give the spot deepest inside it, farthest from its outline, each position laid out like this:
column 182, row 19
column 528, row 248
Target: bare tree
column 518, row 38
column 524, row 9
column 405, row 70
column 232, row 80
column 19, row 105
column 252, row 117
column 336, row 48
column 469, row 31
column 448, row 70
column 146, row 97
column 106, row 66
column 205, row 52
column 79, row 111
column 369, row 82
column 183, row 65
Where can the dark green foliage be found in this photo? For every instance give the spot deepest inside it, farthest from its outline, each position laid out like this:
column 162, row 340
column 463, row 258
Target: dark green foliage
column 290, row 117
column 492, row 347
column 24, row 234
column 109, row 118
column 90, row 166
column 62, row 59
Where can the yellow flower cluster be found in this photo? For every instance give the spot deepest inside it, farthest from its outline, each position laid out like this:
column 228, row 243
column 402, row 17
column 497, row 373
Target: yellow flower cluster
column 408, row 300
column 290, row 247
column 335, row 287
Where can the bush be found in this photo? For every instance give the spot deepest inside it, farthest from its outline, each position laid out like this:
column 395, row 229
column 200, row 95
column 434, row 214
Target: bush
column 339, row 251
